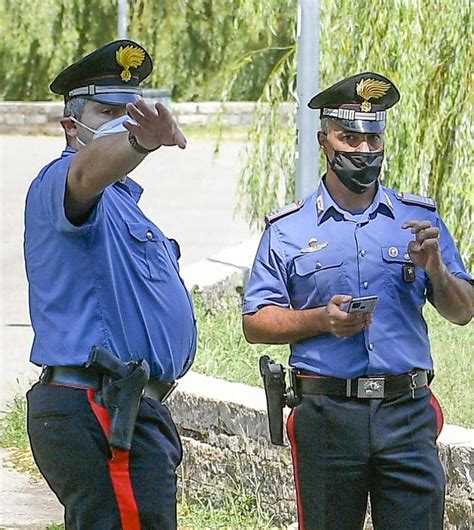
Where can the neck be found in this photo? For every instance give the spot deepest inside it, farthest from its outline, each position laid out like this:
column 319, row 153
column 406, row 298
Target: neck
column 344, row 197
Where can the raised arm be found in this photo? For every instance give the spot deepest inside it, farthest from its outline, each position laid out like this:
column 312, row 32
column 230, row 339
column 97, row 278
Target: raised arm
column 108, row 159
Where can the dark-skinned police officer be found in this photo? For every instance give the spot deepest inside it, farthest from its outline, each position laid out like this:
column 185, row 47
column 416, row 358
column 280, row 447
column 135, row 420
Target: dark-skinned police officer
column 367, row 421
column 113, row 323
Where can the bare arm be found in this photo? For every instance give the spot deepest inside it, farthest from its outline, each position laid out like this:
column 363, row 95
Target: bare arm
column 106, row 160
column 453, row 297
column 281, row 325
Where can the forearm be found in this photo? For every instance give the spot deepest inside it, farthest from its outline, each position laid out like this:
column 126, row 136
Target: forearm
column 101, row 163
column 281, row 325
column 452, row 297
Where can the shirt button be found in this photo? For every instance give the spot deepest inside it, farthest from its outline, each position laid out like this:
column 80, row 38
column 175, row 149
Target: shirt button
column 363, row 253
column 406, row 256
column 318, row 265
column 371, row 346
column 366, row 285
column 149, row 235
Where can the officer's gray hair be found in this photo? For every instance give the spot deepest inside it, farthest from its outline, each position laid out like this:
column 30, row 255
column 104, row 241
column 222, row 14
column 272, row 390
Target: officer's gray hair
column 74, row 107
column 324, row 125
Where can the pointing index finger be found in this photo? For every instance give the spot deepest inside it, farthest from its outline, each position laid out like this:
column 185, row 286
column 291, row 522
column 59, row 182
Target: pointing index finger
column 416, row 226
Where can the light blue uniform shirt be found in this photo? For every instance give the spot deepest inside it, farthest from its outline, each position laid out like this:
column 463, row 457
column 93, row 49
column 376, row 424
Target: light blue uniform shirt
column 112, row 282
column 358, row 255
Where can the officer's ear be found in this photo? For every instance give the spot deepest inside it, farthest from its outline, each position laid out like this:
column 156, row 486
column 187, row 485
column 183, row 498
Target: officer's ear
column 70, row 128
column 322, row 140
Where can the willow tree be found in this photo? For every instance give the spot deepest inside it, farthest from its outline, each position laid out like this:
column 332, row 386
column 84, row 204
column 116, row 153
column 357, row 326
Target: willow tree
column 424, row 46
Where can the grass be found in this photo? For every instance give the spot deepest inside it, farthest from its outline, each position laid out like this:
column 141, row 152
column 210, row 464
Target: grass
column 232, row 508
column 223, row 351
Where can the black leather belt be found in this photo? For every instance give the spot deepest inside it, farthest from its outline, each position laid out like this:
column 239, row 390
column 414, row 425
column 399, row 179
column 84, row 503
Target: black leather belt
column 88, row 378
column 370, row 387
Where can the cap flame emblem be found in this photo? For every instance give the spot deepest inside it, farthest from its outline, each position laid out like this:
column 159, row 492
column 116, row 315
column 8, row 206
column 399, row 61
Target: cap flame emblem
column 129, row 57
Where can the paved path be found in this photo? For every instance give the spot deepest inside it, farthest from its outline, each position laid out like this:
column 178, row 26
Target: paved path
column 189, row 194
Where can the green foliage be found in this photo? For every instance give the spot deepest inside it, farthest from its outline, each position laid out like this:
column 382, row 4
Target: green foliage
column 39, row 38
column 193, row 43
column 424, row 46
column 203, row 49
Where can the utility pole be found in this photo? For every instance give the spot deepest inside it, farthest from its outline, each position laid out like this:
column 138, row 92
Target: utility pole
column 122, row 19
column 307, row 79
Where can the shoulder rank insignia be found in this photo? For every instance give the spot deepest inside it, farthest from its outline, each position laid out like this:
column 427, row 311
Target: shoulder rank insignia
column 283, row 211
column 420, row 200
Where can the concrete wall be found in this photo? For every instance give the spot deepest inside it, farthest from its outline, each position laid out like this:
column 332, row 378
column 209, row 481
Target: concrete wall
column 43, row 117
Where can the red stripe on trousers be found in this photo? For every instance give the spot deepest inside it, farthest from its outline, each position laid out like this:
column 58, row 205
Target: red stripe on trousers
column 290, row 427
column 119, row 472
column 439, row 414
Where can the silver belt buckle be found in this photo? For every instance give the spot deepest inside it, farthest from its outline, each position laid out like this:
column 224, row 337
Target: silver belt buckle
column 370, row 387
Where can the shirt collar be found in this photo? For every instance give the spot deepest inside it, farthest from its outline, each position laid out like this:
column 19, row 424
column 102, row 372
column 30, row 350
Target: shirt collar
column 131, row 187
column 326, row 206
column 68, row 151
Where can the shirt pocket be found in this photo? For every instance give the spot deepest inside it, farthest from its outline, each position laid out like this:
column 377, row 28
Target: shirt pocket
column 148, row 249
column 318, row 277
column 401, row 277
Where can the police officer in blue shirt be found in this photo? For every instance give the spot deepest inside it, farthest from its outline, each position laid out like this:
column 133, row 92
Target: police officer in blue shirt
column 104, row 287
column 367, row 421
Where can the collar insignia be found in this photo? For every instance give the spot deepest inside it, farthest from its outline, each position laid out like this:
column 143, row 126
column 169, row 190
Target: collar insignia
column 320, row 204
column 389, row 202
column 313, row 246
column 129, row 57
column 370, row 89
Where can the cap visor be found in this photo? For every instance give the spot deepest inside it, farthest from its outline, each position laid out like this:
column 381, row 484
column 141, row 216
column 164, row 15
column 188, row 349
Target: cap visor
column 363, row 126
column 115, row 98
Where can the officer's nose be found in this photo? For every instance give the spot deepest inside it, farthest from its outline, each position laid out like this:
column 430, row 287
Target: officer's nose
column 364, row 146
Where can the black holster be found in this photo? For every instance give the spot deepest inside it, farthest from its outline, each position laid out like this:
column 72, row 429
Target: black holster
column 122, row 388
column 277, row 396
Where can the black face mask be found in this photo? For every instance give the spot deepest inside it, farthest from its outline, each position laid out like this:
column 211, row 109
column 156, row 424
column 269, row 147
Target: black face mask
column 357, row 171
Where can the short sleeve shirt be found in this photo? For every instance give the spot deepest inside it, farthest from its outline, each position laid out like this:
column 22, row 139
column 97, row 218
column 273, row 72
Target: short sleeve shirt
column 112, row 282
column 359, row 255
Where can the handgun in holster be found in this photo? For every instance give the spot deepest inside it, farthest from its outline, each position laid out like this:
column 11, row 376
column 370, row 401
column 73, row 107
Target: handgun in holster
column 121, row 391
column 277, row 395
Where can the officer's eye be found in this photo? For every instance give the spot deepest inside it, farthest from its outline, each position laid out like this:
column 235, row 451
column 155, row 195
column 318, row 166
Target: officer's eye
column 348, row 137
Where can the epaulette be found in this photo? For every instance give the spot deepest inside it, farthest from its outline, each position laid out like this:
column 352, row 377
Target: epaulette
column 420, row 200
column 283, row 211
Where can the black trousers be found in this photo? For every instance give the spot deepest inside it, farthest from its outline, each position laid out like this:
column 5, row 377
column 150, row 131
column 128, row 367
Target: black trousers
column 102, row 489
column 347, row 448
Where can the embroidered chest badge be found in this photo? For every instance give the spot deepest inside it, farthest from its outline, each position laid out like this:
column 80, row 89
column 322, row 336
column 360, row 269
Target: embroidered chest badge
column 313, row 246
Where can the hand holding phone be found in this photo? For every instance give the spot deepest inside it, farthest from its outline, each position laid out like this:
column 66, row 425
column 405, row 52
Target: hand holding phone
column 363, row 304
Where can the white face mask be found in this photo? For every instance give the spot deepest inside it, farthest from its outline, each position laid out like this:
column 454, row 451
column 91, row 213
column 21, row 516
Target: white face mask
column 106, row 129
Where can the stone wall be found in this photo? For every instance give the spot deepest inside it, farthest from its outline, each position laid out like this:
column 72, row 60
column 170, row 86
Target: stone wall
column 18, row 117
column 226, row 447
